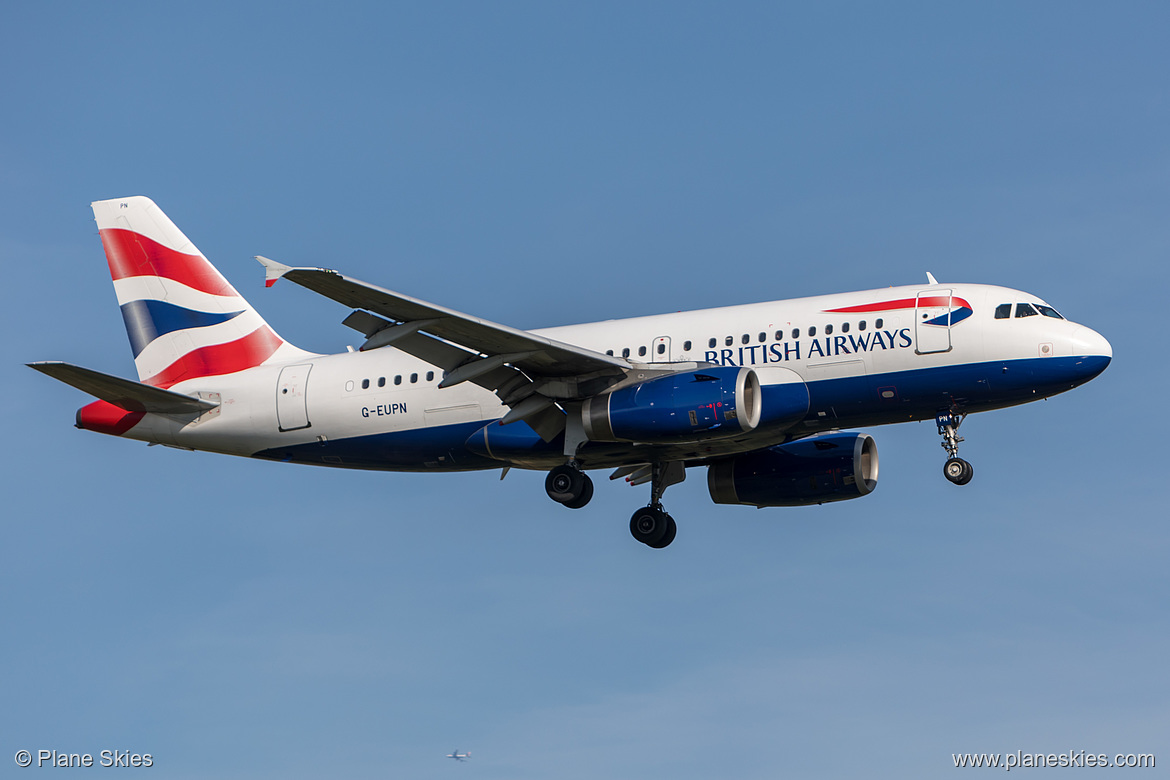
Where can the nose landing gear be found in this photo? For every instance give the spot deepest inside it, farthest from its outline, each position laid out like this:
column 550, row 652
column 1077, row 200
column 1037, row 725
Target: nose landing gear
column 958, row 471
column 955, row 469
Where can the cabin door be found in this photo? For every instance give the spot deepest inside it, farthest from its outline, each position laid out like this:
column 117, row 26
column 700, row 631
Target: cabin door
column 292, row 410
column 932, row 322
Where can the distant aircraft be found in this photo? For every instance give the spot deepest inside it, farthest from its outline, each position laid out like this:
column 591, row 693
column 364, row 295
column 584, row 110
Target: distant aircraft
column 459, row 756
column 756, row 394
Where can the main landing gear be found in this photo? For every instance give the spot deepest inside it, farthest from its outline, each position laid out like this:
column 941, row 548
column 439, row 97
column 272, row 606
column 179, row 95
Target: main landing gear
column 650, row 525
column 569, row 485
column 955, row 469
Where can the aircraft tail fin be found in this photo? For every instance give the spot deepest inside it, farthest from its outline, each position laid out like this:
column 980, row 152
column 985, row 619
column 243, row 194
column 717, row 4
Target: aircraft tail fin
column 183, row 318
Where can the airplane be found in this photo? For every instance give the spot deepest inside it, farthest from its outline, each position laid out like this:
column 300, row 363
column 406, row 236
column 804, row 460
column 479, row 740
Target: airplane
column 760, row 395
column 459, row 756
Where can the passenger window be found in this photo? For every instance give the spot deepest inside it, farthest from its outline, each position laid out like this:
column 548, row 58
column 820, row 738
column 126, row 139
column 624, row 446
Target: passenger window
column 365, row 384
column 845, row 327
column 812, row 331
column 398, row 379
column 878, row 322
column 413, row 378
column 763, row 337
column 828, row 329
column 727, row 342
column 609, row 352
column 745, row 338
column 381, row 381
column 1048, row 311
column 796, row 333
column 861, row 325
column 431, row 376
column 711, row 344
column 779, row 335
column 641, row 352
column 1025, row 310
column 661, row 348
column 625, row 351
column 1003, row 311
column 686, row 346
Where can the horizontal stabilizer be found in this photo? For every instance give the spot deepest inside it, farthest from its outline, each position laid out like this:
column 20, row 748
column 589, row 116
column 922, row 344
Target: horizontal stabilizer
column 123, row 393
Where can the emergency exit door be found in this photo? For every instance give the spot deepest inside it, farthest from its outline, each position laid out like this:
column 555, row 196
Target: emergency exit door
column 660, row 350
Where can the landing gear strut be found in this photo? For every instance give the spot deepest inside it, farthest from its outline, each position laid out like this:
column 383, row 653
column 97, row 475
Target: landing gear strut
column 955, row 469
column 569, row 485
column 651, row 525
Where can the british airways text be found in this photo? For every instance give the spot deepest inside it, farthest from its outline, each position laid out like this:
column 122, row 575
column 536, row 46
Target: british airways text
column 828, row 346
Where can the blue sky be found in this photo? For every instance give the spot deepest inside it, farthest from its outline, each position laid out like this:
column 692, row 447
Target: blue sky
column 543, row 164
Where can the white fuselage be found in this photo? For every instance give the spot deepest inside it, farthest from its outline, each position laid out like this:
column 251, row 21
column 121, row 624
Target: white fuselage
column 381, row 408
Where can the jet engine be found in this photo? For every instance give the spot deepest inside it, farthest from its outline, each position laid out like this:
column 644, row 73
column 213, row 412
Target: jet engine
column 817, row 470
column 715, row 402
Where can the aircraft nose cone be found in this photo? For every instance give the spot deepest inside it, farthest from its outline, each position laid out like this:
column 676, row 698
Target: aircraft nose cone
column 1092, row 349
column 1086, row 341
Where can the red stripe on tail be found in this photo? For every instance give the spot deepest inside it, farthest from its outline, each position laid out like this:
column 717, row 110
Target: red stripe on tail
column 133, row 254
column 250, row 351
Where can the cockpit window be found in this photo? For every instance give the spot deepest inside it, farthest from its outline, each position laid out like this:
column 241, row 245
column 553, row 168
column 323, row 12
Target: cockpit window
column 1048, row 311
column 1003, row 311
column 1025, row 310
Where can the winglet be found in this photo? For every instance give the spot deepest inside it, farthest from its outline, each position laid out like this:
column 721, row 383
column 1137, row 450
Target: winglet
column 272, row 270
column 929, row 277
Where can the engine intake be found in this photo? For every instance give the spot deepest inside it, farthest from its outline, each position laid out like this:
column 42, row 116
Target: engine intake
column 709, row 403
column 818, row 470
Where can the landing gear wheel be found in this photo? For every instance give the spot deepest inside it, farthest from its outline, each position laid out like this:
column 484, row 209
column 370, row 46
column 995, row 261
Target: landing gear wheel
column 565, row 484
column 586, row 493
column 652, row 527
column 671, row 530
column 958, row 471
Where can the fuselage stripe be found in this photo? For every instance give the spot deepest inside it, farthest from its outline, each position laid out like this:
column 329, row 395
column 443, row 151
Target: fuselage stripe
column 904, row 303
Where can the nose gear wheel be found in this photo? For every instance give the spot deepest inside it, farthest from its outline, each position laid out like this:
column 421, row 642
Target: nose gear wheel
column 955, row 469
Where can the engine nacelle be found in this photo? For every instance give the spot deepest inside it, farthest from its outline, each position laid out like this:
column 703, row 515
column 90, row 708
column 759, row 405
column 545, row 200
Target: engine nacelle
column 708, row 403
column 828, row 468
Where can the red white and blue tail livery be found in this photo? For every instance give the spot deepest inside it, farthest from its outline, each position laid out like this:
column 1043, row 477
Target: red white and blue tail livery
column 757, row 395
column 183, row 318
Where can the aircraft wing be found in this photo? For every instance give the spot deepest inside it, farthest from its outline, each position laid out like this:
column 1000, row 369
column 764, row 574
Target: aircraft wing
column 548, row 358
column 527, row 371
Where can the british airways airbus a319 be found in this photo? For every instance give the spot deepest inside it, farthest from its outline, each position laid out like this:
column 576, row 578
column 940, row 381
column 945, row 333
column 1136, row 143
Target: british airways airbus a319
column 757, row 394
